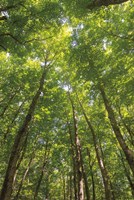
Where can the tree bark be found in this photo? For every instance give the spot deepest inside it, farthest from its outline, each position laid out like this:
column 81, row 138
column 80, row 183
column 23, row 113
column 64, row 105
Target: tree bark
column 13, row 120
column 74, row 164
column 64, row 188
column 110, row 183
column 42, row 172
column 99, row 3
column 78, row 154
column 18, row 143
column 131, row 183
column 8, row 104
column 92, row 175
column 130, row 132
column 128, row 152
column 70, row 188
column 24, row 177
column 105, row 177
column 87, row 193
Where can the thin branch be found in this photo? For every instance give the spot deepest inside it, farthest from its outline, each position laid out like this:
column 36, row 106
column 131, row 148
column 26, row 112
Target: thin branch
column 118, row 36
column 3, row 47
column 37, row 39
column 111, row 33
column 3, row 18
column 10, row 35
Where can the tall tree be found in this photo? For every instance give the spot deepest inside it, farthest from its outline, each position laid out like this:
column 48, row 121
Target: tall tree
column 19, row 142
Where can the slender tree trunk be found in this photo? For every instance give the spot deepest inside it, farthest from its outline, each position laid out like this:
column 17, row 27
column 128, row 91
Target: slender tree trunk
column 40, row 180
column 18, row 143
column 85, row 180
column 22, row 153
column 110, row 183
column 47, row 187
column 112, row 191
column 79, row 169
column 42, row 172
column 24, row 177
column 70, row 188
column 99, row 3
column 13, row 120
column 92, row 175
column 128, row 153
column 8, row 104
column 131, row 134
column 64, row 188
column 131, row 183
column 102, row 166
column 74, row 163
column 78, row 154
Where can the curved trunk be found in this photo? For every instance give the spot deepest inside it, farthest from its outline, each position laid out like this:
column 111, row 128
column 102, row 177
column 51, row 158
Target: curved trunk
column 128, row 152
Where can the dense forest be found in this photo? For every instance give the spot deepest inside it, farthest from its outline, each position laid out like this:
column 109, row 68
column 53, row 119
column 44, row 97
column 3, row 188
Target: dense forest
column 66, row 100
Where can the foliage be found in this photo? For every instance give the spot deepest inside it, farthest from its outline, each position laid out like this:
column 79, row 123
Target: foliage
column 80, row 50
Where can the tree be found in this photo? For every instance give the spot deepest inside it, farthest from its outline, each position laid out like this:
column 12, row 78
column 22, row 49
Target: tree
column 66, row 100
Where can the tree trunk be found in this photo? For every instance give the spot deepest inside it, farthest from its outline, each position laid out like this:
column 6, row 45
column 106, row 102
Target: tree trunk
column 42, row 172
column 40, row 180
column 22, row 154
column 18, row 143
column 99, row 3
column 13, row 120
column 74, row 163
column 78, row 154
column 110, row 183
column 46, row 189
column 87, row 193
column 24, row 177
column 102, row 166
column 131, row 183
column 70, row 188
column 8, row 104
column 64, row 187
column 128, row 153
column 92, row 175
column 130, row 132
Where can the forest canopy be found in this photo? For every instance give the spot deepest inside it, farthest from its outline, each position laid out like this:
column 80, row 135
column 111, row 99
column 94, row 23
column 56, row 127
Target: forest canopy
column 66, row 100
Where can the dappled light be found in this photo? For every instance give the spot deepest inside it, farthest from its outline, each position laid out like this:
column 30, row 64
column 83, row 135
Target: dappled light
column 66, row 100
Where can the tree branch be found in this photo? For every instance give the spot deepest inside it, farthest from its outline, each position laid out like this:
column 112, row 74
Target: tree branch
column 10, row 35
column 99, row 3
column 10, row 7
column 3, row 18
column 3, row 47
